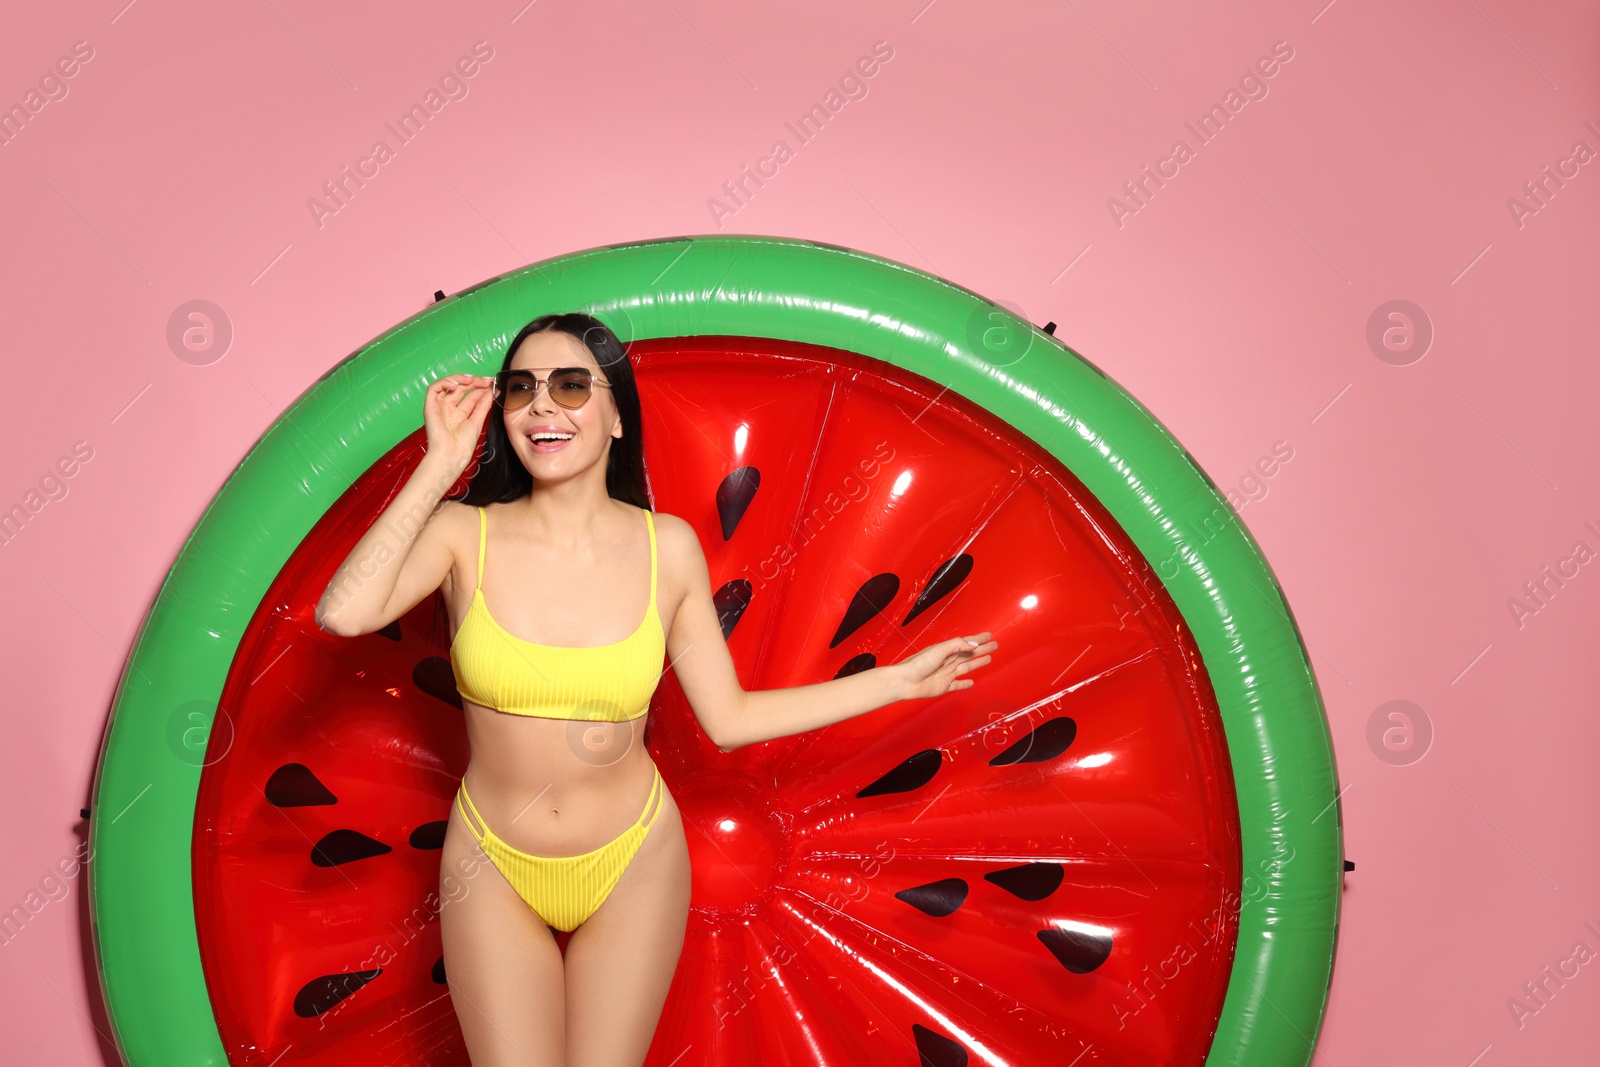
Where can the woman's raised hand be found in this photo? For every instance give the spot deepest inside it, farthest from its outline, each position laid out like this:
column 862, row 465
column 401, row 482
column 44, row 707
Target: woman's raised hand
column 453, row 413
column 937, row 669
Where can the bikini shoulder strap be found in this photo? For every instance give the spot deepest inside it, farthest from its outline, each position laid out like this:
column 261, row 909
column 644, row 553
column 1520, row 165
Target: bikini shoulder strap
column 483, row 540
column 650, row 521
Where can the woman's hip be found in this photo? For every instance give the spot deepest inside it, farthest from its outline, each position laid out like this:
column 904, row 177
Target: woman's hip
column 526, row 830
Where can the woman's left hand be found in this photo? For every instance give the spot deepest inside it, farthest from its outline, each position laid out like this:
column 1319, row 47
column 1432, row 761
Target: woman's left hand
column 937, row 669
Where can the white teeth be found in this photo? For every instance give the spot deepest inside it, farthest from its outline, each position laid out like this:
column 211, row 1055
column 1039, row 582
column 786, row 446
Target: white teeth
column 548, row 436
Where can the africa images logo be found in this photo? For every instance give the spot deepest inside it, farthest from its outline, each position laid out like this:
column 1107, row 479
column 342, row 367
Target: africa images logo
column 1252, row 85
column 452, row 87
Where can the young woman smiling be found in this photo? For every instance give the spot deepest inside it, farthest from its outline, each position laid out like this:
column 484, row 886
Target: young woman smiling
column 568, row 597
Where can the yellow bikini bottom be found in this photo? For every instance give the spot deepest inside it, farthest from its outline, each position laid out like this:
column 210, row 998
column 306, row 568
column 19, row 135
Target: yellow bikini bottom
column 564, row 890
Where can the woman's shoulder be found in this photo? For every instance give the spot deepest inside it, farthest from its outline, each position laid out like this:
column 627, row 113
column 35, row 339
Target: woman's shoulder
column 670, row 525
column 452, row 518
column 678, row 544
column 456, row 513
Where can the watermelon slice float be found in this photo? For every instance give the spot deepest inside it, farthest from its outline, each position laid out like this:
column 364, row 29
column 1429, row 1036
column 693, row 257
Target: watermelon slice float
column 1074, row 861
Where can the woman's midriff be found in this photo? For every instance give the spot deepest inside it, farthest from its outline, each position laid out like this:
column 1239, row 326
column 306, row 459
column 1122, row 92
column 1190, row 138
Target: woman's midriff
column 556, row 787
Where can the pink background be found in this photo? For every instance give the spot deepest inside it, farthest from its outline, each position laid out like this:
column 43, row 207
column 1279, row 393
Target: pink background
column 1234, row 304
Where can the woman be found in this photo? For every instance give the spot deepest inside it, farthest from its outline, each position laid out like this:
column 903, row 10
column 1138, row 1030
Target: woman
column 553, row 542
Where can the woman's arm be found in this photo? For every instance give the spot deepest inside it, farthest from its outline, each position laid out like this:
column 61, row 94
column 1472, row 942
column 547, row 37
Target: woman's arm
column 733, row 717
column 929, row 672
column 404, row 556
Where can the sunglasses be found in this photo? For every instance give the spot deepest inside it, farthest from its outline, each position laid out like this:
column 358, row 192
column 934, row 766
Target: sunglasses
column 571, row 387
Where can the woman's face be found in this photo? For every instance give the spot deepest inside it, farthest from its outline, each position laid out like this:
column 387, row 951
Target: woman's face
column 590, row 425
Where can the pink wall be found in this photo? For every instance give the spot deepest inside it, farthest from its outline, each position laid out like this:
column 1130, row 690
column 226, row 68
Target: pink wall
column 1379, row 165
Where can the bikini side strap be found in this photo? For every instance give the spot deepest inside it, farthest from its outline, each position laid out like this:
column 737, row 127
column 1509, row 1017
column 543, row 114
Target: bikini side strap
column 461, row 794
column 657, row 793
column 483, row 540
column 650, row 521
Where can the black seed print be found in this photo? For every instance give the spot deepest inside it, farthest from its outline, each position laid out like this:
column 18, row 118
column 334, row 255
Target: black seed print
column 864, row 662
column 294, row 786
column 936, row 1050
column 733, row 497
column 437, row 678
column 730, row 602
column 936, row 898
column 1047, row 742
column 320, row 994
column 438, row 971
column 912, row 773
column 950, row 574
column 868, row 603
column 429, row 834
column 1031, row 881
column 346, row 846
column 1078, row 952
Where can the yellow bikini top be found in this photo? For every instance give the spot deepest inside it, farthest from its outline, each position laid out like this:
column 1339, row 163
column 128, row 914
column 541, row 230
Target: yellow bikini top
column 603, row 683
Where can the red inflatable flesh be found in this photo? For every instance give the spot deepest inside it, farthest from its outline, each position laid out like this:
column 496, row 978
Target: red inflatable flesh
column 1041, row 869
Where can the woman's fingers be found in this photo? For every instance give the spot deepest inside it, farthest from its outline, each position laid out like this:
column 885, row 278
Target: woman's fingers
column 969, row 654
column 483, row 402
column 950, row 658
column 975, row 645
column 971, row 664
column 461, row 383
column 455, row 388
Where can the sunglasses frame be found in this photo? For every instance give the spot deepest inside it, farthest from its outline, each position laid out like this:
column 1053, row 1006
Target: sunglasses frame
column 502, row 379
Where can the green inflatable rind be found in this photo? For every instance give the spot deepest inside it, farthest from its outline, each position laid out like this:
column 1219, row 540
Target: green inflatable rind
column 142, row 907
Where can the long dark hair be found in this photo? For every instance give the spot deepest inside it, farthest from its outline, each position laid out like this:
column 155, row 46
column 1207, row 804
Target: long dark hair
column 499, row 475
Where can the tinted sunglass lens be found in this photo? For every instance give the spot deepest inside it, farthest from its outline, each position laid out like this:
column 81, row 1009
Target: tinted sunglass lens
column 570, row 386
column 515, row 391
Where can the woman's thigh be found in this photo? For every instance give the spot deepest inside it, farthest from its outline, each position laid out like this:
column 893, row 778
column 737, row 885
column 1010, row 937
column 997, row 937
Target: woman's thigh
column 621, row 961
column 500, row 959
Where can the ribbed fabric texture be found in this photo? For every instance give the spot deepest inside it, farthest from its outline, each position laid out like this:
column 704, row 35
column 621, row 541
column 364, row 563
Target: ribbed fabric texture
column 564, row 890
column 605, row 683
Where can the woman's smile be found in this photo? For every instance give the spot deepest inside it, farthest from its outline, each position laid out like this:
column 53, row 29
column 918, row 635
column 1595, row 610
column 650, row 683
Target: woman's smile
column 548, row 437
column 543, row 445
